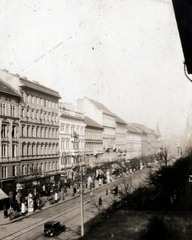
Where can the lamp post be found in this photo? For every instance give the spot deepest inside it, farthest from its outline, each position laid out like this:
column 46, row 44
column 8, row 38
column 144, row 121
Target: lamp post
column 81, row 194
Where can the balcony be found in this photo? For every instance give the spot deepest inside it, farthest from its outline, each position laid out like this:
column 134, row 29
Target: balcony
column 4, row 139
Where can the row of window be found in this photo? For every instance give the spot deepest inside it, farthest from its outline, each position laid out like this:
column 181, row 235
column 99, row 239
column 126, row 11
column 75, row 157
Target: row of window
column 39, row 132
column 7, row 110
column 38, row 114
column 91, row 134
column 69, row 129
column 39, row 168
column 4, row 151
column 67, row 144
column 27, row 169
column 39, row 101
column 39, row 149
column 5, row 130
column 89, row 146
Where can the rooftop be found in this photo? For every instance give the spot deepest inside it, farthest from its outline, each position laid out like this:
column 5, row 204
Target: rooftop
column 6, row 88
column 90, row 122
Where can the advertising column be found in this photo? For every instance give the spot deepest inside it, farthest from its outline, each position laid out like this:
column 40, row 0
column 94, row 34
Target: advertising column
column 30, row 203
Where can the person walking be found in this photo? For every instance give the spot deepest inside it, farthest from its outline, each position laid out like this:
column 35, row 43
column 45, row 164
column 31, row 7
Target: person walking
column 100, row 201
column 5, row 211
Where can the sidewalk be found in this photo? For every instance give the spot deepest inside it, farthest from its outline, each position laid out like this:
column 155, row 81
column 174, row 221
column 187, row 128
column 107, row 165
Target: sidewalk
column 46, row 204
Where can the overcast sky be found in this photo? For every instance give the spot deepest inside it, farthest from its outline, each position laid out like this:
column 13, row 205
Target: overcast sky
column 125, row 54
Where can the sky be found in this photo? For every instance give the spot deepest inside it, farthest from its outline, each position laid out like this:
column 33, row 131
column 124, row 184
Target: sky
column 125, row 54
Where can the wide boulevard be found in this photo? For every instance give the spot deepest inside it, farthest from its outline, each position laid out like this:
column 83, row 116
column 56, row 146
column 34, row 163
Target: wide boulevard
column 68, row 212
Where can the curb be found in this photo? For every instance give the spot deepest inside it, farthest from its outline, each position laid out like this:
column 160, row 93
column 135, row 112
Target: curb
column 37, row 211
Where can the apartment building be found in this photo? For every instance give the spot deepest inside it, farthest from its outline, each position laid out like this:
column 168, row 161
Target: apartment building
column 133, row 141
column 120, row 147
column 38, row 135
column 93, row 142
column 72, row 139
column 9, row 137
column 106, row 119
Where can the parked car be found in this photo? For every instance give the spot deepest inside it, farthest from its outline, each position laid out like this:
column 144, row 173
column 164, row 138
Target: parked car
column 53, row 228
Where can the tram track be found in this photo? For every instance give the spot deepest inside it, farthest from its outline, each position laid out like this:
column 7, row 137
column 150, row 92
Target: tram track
column 65, row 208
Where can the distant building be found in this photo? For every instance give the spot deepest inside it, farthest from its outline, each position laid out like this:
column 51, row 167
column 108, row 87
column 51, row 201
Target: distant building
column 106, row 119
column 93, row 142
column 120, row 143
column 72, row 138
column 133, row 141
column 144, row 138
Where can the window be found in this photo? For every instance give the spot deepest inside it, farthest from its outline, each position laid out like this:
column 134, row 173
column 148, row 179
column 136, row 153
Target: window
column 32, row 168
column 4, row 150
column 67, row 144
column 23, row 169
column 12, row 111
column 33, row 131
column 8, row 112
column 23, row 150
column 23, row 112
column 14, row 173
column 33, row 113
column 14, row 132
column 28, row 149
column 4, row 131
column 2, row 109
column 37, row 149
column 28, row 127
column 67, row 129
column 28, row 113
column 22, row 130
column 14, row 150
column 28, row 169
column 72, row 130
column 4, row 172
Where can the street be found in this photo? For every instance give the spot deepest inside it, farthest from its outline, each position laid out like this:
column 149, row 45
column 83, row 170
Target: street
column 67, row 212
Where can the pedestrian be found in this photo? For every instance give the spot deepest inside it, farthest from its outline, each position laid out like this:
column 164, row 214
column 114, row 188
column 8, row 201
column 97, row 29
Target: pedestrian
column 191, row 188
column 5, row 211
column 100, row 201
column 91, row 194
column 74, row 191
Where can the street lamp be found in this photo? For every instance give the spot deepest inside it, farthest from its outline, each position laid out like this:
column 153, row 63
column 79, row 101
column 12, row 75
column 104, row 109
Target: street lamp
column 81, row 193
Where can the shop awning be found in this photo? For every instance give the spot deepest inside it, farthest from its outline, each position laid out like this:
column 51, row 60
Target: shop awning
column 3, row 195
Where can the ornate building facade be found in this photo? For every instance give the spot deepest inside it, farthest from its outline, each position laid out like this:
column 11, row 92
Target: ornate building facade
column 38, row 134
column 9, row 135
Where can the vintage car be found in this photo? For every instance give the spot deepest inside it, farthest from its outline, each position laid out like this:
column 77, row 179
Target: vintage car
column 53, row 228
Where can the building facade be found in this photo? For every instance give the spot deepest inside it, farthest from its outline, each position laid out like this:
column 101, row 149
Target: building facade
column 106, row 119
column 133, row 142
column 72, row 139
column 93, row 142
column 9, row 137
column 120, row 143
column 39, row 128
